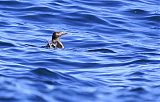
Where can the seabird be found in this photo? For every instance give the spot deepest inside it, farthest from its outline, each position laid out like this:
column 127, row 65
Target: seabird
column 55, row 42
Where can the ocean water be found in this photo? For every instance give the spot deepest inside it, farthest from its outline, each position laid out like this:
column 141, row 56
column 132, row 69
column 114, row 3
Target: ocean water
column 111, row 53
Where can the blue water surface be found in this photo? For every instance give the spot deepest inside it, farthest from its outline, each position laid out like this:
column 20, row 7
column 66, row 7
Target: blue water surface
column 111, row 54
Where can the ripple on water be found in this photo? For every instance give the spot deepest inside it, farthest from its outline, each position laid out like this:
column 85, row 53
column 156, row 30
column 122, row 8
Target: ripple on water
column 154, row 18
column 138, row 90
column 38, row 17
column 137, row 73
column 137, row 11
column 82, row 19
column 101, row 50
column 107, row 3
column 45, row 73
column 58, row 78
column 3, row 24
column 39, row 9
column 6, row 44
column 13, row 3
column 134, row 94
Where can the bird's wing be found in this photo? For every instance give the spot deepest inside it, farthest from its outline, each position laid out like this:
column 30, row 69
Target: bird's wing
column 59, row 44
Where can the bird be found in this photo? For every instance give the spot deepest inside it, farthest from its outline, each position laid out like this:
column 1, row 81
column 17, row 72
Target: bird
column 55, row 42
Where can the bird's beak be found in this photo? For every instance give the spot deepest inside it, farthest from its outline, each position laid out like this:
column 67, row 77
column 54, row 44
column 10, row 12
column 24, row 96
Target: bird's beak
column 63, row 33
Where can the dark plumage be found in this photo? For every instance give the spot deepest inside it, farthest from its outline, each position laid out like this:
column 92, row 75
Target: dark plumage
column 56, row 43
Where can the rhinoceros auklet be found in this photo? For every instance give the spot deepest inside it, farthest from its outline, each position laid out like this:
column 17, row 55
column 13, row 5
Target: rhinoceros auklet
column 55, row 42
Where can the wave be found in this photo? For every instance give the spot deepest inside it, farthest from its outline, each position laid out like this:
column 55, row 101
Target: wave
column 6, row 44
column 43, row 72
column 137, row 11
column 13, row 3
column 101, row 50
column 155, row 18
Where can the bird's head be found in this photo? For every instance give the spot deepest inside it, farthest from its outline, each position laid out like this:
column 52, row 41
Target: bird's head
column 56, row 35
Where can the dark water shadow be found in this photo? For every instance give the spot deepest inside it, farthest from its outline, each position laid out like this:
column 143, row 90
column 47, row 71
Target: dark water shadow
column 6, row 44
column 101, row 50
